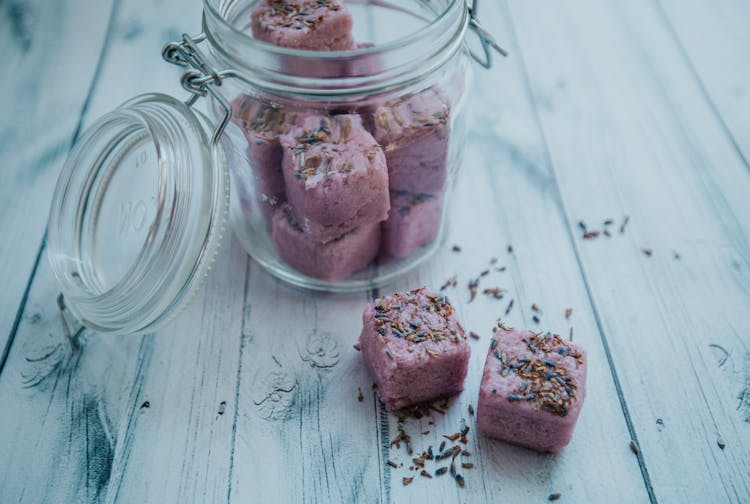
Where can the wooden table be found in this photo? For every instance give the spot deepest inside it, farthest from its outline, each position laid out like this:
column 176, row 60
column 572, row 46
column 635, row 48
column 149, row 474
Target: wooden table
column 636, row 110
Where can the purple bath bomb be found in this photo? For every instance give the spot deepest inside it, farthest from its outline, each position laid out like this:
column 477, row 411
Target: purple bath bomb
column 415, row 347
column 316, row 25
column 413, row 222
column 364, row 65
column 414, row 133
column 347, row 65
column 262, row 125
column 336, row 176
column 332, row 261
column 532, row 389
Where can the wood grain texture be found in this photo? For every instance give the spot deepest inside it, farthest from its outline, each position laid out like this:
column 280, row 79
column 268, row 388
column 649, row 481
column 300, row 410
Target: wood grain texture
column 41, row 111
column 130, row 419
column 302, row 436
column 252, row 394
column 714, row 39
column 630, row 132
column 62, row 402
column 306, row 425
column 69, row 403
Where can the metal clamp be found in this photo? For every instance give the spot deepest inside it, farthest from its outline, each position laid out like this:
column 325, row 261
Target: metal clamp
column 487, row 40
column 72, row 333
column 201, row 81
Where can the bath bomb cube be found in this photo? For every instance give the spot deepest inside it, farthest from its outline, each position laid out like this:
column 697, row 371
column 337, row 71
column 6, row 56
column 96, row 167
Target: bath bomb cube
column 532, row 389
column 413, row 222
column 332, row 261
column 414, row 133
column 363, row 65
column 316, row 25
column 262, row 125
column 336, row 176
column 350, row 65
column 415, row 347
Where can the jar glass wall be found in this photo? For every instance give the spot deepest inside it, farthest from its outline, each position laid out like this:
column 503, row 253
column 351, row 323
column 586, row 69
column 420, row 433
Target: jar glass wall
column 352, row 154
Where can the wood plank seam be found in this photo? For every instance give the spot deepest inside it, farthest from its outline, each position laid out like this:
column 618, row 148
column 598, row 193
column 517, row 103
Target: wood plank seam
column 699, row 82
column 22, row 305
column 73, row 140
column 576, row 251
column 243, row 341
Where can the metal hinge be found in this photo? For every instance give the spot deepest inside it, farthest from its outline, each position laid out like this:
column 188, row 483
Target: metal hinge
column 203, row 80
column 487, row 40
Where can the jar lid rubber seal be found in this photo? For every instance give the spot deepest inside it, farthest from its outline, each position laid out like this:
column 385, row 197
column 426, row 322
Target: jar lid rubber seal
column 138, row 214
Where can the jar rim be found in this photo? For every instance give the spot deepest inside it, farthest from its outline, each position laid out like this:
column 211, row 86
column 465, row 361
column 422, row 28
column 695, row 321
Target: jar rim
column 399, row 62
column 287, row 51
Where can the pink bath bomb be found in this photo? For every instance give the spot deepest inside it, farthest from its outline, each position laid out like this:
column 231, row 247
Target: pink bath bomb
column 415, row 347
column 262, row 124
column 332, row 261
column 363, row 65
column 413, row 221
column 336, row 176
column 317, row 25
column 532, row 389
column 414, row 133
column 349, row 65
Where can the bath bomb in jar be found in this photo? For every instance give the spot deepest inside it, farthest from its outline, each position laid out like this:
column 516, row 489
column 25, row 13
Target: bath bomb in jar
column 414, row 133
column 413, row 222
column 316, row 25
column 335, row 174
column 332, row 261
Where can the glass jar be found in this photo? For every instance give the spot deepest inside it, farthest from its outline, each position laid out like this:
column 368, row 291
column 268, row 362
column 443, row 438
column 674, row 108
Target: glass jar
column 341, row 163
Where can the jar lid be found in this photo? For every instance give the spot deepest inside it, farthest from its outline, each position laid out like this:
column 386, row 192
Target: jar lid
column 138, row 214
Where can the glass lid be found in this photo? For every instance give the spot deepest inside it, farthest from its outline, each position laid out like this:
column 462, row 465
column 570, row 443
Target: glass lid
column 137, row 215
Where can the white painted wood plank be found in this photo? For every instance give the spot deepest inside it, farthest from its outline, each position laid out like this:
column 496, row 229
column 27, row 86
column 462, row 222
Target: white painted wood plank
column 48, row 69
column 508, row 196
column 715, row 37
column 300, row 432
column 288, row 410
column 179, row 448
column 90, row 403
column 61, row 405
column 302, row 436
column 134, row 419
column 630, row 132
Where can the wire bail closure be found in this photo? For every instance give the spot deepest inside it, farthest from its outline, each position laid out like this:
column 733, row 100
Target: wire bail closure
column 73, row 328
column 203, row 79
column 487, row 40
